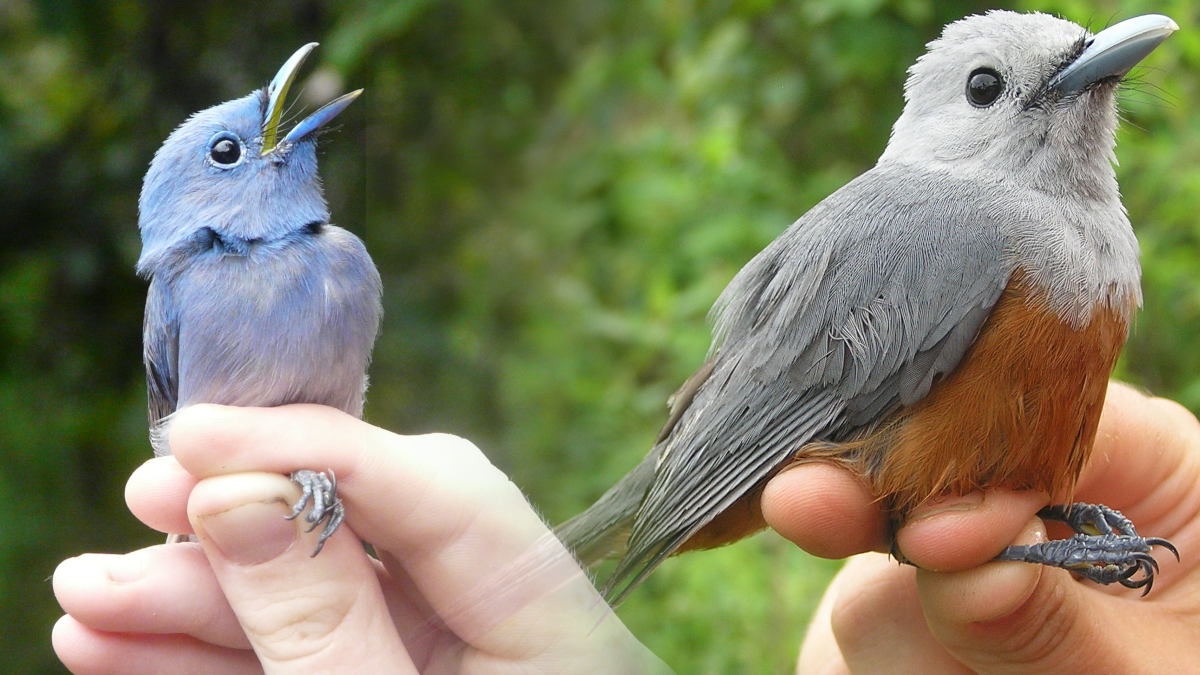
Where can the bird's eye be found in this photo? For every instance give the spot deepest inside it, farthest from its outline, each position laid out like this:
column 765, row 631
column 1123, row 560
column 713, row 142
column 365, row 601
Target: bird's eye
column 225, row 150
column 984, row 87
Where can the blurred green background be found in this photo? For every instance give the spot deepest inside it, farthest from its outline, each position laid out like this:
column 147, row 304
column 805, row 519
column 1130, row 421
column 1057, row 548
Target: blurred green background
column 555, row 193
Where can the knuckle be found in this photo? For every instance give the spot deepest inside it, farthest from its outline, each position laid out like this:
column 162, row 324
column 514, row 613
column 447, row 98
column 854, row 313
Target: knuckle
column 1181, row 417
column 461, row 489
column 298, row 627
column 1041, row 641
column 452, row 446
column 867, row 584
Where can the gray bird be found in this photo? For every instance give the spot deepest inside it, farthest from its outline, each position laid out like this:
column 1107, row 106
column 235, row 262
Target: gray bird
column 946, row 321
column 255, row 299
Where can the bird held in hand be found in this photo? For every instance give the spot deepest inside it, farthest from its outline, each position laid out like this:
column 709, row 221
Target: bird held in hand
column 945, row 322
column 255, row 298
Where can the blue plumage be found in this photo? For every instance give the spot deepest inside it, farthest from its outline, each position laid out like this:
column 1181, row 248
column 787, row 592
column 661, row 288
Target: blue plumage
column 255, row 299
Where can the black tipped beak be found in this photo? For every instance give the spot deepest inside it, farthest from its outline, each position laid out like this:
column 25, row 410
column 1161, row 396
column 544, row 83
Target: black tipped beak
column 1113, row 52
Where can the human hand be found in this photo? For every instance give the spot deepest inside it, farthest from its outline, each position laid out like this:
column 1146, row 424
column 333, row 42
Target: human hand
column 959, row 613
column 468, row 578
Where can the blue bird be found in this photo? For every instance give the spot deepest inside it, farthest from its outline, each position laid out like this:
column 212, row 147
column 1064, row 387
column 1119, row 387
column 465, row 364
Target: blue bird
column 254, row 299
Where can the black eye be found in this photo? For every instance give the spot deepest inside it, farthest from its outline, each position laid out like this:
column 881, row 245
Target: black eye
column 225, row 150
column 984, row 87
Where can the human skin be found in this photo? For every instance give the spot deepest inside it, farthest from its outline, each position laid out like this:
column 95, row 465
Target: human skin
column 444, row 521
column 468, row 578
column 959, row 614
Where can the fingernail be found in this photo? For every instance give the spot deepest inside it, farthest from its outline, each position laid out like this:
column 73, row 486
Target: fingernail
column 945, row 503
column 124, row 569
column 250, row 534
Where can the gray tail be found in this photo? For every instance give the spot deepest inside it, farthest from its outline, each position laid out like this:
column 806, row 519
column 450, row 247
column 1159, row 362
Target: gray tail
column 602, row 531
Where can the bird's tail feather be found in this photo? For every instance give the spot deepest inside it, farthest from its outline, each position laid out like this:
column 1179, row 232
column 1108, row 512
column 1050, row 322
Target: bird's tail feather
column 602, row 531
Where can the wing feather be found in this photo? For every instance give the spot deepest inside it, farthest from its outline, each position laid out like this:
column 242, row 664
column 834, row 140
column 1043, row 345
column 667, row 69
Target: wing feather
column 160, row 352
column 852, row 312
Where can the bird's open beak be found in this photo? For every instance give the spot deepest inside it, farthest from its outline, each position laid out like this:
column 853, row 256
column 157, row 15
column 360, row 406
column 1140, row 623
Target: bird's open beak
column 276, row 96
column 321, row 116
column 1113, row 52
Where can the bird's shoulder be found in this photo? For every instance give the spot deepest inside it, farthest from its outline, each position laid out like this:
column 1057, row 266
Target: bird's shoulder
column 888, row 262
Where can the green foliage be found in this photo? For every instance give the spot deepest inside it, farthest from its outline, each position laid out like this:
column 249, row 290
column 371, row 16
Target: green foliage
column 555, row 194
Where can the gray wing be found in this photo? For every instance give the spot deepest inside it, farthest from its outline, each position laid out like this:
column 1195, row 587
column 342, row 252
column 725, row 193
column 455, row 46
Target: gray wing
column 850, row 313
column 160, row 352
column 602, row 531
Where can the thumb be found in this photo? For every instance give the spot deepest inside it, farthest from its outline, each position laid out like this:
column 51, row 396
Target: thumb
column 1013, row 617
column 301, row 614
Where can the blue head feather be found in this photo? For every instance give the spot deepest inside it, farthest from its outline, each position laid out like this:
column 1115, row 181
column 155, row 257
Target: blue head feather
column 258, row 196
column 254, row 298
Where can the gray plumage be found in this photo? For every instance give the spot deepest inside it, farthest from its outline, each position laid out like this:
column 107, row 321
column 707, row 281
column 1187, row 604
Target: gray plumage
column 879, row 290
column 255, row 299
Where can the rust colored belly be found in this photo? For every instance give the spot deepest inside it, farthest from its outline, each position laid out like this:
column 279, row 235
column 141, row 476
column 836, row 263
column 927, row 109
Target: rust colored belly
column 1019, row 411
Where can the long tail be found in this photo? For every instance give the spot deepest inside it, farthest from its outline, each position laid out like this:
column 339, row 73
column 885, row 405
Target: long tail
column 602, row 531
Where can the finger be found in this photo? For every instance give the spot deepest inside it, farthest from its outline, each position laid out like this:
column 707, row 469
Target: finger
column 159, row 590
column 86, row 651
column 876, row 619
column 415, row 619
column 301, row 614
column 1146, row 463
column 157, row 495
column 819, row 652
column 824, row 510
column 478, row 553
column 1013, row 617
column 962, row 531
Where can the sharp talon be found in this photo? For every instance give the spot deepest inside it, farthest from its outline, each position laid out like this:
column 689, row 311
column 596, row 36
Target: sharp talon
column 1103, row 559
column 299, row 508
column 1157, row 541
column 1150, row 570
column 336, row 516
column 1145, row 560
column 1147, row 573
column 320, row 545
column 320, row 497
column 1149, row 583
column 1145, row 583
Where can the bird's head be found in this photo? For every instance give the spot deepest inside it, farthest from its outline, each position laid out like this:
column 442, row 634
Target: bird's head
column 1029, row 96
column 232, row 169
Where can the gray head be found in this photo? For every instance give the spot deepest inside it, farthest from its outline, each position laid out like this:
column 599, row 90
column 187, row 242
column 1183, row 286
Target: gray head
column 1030, row 96
column 226, row 169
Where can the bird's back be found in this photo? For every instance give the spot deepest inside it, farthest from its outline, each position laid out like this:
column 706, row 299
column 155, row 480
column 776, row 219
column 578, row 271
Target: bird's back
column 861, row 309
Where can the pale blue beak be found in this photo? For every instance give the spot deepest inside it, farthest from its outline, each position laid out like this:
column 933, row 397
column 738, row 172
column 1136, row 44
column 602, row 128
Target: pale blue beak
column 276, row 96
column 321, row 116
column 1113, row 52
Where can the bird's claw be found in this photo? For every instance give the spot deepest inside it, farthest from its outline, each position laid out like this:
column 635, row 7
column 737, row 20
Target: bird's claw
column 321, row 490
column 1159, row 541
column 1105, row 549
column 1090, row 518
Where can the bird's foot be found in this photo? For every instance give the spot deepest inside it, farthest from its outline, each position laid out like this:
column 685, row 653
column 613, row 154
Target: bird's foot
column 1105, row 549
column 1090, row 519
column 321, row 490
